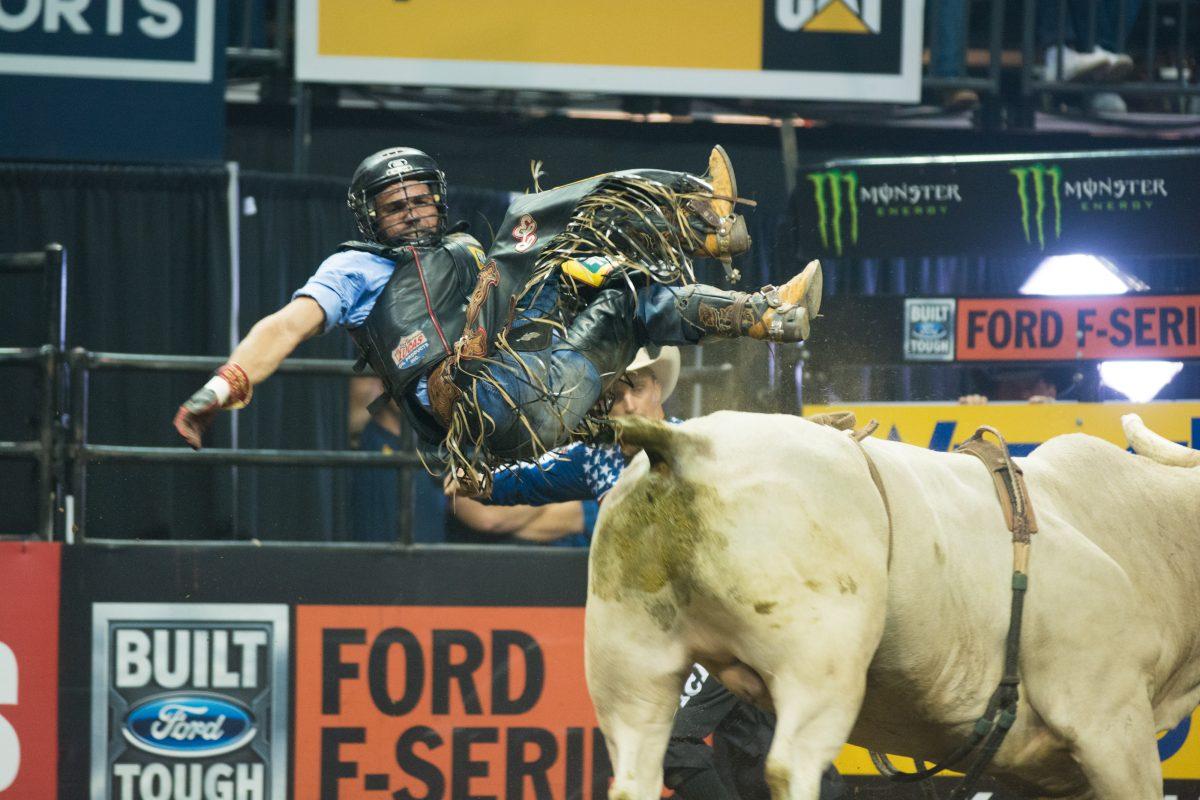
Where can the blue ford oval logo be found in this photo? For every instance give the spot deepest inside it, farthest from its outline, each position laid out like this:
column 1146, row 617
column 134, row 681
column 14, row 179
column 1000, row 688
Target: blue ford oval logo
column 189, row 725
column 930, row 330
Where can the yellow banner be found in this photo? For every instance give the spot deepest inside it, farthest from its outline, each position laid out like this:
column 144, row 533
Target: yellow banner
column 859, row 50
column 629, row 33
column 1025, row 426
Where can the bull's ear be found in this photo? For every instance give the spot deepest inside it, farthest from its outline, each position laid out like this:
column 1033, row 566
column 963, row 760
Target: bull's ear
column 663, row 444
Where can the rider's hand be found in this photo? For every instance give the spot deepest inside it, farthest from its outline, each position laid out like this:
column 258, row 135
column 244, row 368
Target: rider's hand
column 193, row 417
column 461, row 485
column 229, row 388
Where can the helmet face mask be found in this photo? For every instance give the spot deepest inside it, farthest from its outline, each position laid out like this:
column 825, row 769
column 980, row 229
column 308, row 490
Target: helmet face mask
column 408, row 212
column 398, row 197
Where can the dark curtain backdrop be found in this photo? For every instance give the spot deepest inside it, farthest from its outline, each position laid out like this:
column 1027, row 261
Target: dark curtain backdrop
column 150, row 272
column 148, row 255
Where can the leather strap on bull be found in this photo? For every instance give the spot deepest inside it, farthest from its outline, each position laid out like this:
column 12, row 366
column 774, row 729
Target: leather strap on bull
column 1001, row 712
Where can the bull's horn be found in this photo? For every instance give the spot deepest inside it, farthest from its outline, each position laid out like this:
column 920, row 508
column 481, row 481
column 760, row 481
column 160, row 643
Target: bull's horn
column 1146, row 442
column 663, row 443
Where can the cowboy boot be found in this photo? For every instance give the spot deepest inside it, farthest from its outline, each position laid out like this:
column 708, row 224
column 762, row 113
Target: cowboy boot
column 721, row 234
column 773, row 313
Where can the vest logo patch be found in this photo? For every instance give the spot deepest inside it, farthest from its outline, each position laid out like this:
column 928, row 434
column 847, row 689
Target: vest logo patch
column 410, row 350
column 525, row 233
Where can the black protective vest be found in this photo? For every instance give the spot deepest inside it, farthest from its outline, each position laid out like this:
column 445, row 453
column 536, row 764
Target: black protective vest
column 421, row 312
column 418, row 316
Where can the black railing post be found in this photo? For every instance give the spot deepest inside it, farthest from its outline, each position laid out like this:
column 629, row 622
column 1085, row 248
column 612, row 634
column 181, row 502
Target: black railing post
column 991, row 115
column 56, row 283
column 1026, row 107
column 1120, row 43
column 933, row 19
column 406, row 519
column 1061, row 42
column 996, row 45
column 79, row 433
column 1181, row 59
column 1152, row 40
column 45, row 458
column 54, row 288
column 1093, row 36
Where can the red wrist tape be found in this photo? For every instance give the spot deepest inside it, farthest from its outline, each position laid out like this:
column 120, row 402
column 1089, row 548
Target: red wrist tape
column 240, row 390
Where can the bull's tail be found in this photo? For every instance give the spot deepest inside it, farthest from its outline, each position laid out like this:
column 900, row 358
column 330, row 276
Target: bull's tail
column 1146, row 442
column 665, row 444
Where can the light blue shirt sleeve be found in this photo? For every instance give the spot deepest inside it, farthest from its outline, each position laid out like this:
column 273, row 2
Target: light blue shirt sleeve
column 346, row 286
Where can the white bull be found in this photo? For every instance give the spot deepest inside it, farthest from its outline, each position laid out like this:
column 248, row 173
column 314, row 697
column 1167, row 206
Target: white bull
column 759, row 546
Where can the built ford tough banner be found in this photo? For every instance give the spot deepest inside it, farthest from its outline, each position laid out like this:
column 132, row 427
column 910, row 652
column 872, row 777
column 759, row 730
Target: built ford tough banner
column 1105, row 203
column 854, row 50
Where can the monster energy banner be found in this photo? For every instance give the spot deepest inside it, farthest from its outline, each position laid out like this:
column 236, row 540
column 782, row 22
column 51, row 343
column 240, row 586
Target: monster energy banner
column 1109, row 203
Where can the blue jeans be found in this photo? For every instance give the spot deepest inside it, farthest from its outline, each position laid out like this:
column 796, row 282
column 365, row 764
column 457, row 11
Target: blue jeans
column 1077, row 31
column 948, row 37
column 531, row 401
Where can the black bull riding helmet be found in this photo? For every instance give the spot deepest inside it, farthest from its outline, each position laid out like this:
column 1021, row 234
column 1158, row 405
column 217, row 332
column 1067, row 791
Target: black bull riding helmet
column 388, row 167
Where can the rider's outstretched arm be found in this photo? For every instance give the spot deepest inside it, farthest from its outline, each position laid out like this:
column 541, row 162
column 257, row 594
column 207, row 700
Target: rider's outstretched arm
column 274, row 337
column 269, row 342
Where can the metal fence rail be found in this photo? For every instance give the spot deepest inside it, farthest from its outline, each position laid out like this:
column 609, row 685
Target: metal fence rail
column 79, row 453
column 92, row 453
column 51, row 262
column 86, row 359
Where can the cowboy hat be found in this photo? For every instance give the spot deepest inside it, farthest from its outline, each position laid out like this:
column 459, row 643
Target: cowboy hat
column 664, row 363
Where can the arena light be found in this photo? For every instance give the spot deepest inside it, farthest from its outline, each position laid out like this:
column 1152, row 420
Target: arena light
column 1079, row 274
column 1082, row 274
column 1140, row 381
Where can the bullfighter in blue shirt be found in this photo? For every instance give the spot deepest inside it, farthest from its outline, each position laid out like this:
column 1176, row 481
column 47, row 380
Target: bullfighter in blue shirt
column 501, row 357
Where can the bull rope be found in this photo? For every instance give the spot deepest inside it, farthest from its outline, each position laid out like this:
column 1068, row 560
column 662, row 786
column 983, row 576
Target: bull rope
column 1001, row 713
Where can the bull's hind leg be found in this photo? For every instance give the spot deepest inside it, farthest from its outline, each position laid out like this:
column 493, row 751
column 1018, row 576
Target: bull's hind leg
column 635, row 672
column 816, row 674
column 810, row 728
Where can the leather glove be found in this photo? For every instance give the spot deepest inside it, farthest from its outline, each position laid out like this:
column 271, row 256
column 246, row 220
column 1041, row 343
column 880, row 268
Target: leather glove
column 228, row 388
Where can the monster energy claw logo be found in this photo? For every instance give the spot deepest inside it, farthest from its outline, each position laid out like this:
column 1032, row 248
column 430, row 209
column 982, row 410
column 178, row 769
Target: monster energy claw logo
column 1038, row 175
column 835, row 193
